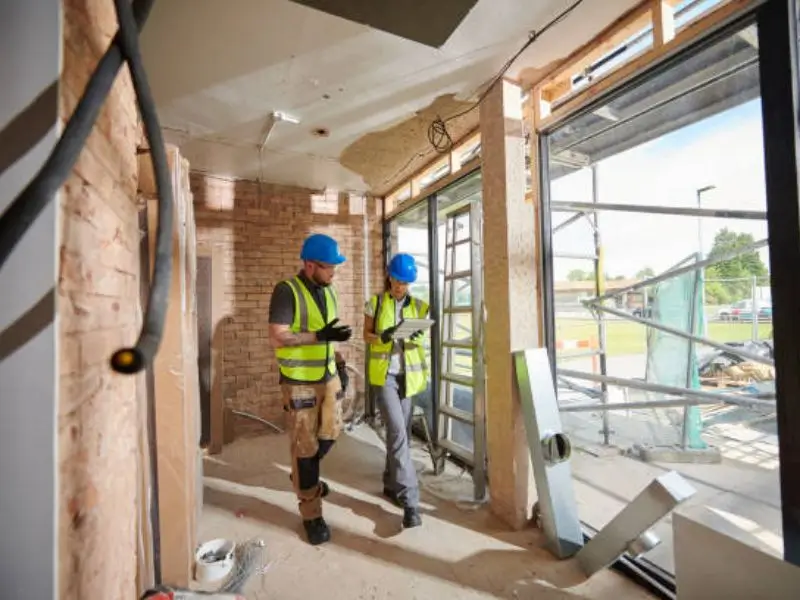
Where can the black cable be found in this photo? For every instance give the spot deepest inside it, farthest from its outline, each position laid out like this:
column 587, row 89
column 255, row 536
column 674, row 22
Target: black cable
column 133, row 360
column 438, row 136
column 29, row 204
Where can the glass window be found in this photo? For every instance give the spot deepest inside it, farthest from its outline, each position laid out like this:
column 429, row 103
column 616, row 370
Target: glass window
column 669, row 177
column 408, row 232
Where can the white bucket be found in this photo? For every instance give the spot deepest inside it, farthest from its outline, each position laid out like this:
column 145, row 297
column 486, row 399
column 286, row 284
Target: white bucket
column 214, row 560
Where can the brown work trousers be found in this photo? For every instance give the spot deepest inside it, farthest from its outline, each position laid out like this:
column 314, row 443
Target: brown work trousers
column 314, row 422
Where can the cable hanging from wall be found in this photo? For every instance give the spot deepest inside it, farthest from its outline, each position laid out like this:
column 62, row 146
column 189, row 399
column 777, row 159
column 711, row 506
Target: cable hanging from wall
column 438, row 135
column 40, row 191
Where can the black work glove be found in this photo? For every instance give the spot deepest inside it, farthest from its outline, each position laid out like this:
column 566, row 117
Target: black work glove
column 416, row 335
column 344, row 377
column 332, row 332
column 388, row 334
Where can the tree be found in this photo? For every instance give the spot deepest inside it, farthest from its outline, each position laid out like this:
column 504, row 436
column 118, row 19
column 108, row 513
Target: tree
column 579, row 275
column 734, row 276
column 645, row 273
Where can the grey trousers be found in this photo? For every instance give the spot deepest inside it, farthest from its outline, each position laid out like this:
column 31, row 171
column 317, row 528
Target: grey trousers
column 399, row 475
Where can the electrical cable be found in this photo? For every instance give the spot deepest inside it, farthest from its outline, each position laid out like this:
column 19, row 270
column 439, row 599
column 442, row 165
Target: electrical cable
column 29, row 204
column 133, row 360
column 438, row 135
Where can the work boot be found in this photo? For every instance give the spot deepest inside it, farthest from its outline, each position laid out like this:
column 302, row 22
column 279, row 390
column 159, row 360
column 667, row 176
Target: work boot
column 391, row 496
column 317, row 531
column 411, row 517
column 324, row 489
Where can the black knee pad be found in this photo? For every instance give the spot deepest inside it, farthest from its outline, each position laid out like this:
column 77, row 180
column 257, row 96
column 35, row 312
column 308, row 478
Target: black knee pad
column 308, row 472
column 325, row 447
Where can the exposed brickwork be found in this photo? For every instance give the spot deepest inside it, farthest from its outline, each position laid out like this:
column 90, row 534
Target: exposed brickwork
column 99, row 310
column 260, row 238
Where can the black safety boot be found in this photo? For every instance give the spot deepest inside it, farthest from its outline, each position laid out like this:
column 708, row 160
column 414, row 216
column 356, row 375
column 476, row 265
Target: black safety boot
column 317, row 531
column 411, row 517
column 391, row 496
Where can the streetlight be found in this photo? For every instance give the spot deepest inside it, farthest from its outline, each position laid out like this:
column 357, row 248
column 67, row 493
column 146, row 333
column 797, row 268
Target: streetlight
column 700, row 193
column 700, row 253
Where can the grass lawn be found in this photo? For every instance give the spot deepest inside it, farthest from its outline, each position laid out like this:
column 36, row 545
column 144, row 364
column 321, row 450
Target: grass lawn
column 629, row 338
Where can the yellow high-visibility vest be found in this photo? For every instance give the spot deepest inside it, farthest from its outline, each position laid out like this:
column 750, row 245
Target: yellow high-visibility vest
column 416, row 367
column 308, row 363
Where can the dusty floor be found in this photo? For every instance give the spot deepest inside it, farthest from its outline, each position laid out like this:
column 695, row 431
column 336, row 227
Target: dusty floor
column 461, row 551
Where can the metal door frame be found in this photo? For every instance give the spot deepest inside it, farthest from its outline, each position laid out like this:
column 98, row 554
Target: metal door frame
column 477, row 458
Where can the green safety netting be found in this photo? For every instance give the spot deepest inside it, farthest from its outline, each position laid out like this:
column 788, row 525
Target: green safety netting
column 672, row 360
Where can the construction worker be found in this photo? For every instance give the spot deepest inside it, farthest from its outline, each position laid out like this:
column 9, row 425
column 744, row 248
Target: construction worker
column 303, row 328
column 397, row 372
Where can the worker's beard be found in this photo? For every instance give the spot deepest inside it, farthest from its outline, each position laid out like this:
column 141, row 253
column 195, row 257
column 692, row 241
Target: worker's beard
column 319, row 282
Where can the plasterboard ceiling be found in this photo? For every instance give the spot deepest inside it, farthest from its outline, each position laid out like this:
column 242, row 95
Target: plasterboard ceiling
column 219, row 69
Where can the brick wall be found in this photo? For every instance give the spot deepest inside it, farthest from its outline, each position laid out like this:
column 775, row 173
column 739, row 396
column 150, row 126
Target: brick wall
column 98, row 308
column 259, row 236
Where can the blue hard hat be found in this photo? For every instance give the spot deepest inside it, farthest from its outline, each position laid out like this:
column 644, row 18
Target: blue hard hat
column 403, row 268
column 322, row 248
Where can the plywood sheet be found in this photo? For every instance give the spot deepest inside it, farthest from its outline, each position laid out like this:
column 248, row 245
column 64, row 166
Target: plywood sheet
column 177, row 390
column 385, row 158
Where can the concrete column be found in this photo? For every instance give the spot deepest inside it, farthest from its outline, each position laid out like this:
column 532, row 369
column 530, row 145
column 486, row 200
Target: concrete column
column 510, row 283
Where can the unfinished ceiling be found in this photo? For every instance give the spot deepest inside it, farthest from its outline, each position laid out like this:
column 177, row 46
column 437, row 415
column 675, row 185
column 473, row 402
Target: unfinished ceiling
column 364, row 97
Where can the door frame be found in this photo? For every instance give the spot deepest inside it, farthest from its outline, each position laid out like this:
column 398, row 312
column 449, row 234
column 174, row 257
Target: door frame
column 217, row 402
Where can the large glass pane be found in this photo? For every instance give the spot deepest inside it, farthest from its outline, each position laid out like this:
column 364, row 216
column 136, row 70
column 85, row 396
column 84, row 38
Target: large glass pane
column 675, row 169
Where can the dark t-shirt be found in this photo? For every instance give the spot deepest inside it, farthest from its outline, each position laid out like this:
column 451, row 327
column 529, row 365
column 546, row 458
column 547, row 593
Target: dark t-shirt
column 282, row 307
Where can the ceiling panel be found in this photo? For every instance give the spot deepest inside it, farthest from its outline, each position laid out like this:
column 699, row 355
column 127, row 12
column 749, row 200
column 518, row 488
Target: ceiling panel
column 417, row 20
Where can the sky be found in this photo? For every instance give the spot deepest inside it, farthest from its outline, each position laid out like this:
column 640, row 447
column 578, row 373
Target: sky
column 725, row 151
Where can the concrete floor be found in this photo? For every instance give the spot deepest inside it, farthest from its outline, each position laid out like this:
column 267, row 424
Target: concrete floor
column 460, row 552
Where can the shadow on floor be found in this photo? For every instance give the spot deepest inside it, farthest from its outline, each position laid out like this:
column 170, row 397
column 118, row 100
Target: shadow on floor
column 504, row 573
column 468, row 549
column 358, row 464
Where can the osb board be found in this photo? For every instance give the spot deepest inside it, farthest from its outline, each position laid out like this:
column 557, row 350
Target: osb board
column 512, row 317
column 385, row 158
column 98, row 300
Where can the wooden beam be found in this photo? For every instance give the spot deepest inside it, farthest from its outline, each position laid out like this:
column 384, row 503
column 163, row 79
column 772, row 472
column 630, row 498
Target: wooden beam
column 417, row 183
column 394, row 191
column 511, row 308
column 686, row 35
column 663, row 22
column 559, row 81
column 467, row 168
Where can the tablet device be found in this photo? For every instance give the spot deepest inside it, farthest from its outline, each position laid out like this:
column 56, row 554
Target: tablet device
column 410, row 326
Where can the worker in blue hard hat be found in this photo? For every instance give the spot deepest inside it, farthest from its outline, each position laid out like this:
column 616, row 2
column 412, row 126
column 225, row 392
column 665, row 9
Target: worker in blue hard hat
column 304, row 328
column 398, row 371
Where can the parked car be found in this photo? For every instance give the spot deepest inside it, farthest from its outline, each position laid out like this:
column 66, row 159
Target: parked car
column 724, row 313
column 743, row 311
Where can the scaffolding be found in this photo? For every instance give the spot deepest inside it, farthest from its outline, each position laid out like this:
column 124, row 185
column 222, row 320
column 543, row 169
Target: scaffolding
column 685, row 394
